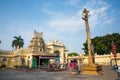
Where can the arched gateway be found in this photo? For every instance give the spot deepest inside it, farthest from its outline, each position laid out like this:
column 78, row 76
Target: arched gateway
column 59, row 49
column 57, row 59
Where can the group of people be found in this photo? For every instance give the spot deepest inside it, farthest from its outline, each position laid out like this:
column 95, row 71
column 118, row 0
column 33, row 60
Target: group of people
column 57, row 65
column 73, row 65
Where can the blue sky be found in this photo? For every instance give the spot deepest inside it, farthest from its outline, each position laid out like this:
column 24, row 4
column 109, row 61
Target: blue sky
column 57, row 19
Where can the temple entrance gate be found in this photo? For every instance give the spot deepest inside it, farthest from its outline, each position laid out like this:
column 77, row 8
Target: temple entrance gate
column 41, row 61
column 58, row 48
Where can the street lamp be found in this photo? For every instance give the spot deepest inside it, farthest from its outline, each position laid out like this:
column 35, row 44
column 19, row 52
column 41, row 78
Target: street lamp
column 85, row 16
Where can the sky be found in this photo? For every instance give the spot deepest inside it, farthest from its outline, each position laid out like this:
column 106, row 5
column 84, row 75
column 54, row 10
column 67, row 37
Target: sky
column 57, row 19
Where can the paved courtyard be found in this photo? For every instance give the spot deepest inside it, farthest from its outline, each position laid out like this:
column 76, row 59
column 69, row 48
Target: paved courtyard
column 107, row 74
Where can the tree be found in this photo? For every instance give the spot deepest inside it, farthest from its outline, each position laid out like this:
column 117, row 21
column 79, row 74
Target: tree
column 0, row 41
column 102, row 44
column 73, row 54
column 18, row 42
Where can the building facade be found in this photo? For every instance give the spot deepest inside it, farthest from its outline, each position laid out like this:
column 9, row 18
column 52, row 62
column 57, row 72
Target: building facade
column 59, row 49
column 38, row 54
column 105, row 60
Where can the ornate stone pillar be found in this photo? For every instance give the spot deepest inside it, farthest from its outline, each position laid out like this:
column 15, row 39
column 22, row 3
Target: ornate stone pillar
column 85, row 18
column 91, row 68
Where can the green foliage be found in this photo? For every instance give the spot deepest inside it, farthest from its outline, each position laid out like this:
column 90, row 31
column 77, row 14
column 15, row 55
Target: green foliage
column 73, row 54
column 18, row 42
column 21, row 66
column 16, row 66
column 3, row 66
column 102, row 44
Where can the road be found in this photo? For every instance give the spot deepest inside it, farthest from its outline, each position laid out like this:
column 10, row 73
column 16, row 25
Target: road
column 107, row 74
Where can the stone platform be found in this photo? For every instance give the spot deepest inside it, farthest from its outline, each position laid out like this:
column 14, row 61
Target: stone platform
column 91, row 69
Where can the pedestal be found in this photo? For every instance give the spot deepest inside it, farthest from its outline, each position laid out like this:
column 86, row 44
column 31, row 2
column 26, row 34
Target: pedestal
column 74, row 72
column 91, row 69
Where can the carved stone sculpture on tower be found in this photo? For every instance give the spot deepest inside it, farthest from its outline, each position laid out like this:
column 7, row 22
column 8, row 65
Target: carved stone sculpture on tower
column 37, row 43
column 38, row 34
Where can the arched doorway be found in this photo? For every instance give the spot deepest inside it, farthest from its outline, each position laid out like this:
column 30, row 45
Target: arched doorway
column 10, row 63
column 57, row 59
column 22, row 61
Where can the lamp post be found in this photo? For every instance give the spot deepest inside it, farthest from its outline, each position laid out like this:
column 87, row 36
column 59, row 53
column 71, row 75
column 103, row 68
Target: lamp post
column 85, row 15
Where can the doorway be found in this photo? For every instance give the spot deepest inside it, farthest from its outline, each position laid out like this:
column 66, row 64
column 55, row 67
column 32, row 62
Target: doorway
column 38, row 62
column 57, row 59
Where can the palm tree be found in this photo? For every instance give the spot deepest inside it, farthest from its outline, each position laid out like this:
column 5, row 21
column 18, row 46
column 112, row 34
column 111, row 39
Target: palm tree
column 18, row 42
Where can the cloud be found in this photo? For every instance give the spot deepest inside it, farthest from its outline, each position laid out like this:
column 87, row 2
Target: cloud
column 47, row 11
column 71, row 24
column 54, row 14
column 62, row 22
column 99, row 12
column 72, row 2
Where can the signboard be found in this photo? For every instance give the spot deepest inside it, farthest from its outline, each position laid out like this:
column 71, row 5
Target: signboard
column 114, row 49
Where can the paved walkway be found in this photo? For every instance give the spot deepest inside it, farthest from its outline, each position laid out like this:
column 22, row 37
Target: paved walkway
column 108, row 74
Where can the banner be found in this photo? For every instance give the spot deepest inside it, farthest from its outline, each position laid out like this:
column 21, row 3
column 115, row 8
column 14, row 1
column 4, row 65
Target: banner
column 114, row 50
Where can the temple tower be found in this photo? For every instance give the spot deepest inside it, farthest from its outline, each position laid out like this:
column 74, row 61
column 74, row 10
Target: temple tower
column 37, row 44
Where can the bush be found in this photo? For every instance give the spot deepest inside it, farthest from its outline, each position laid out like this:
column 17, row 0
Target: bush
column 16, row 66
column 21, row 66
column 3, row 66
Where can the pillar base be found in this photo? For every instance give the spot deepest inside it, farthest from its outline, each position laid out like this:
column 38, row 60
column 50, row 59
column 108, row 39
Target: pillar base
column 91, row 69
column 74, row 72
